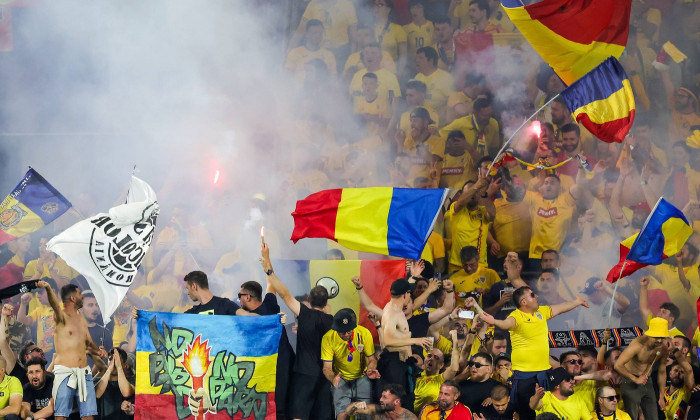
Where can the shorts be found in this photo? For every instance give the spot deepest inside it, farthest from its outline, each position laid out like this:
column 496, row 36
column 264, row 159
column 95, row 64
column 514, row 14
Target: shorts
column 63, row 403
column 350, row 391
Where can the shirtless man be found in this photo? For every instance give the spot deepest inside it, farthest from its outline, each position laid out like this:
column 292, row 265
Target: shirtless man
column 635, row 364
column 397, row 341
column 72, row 341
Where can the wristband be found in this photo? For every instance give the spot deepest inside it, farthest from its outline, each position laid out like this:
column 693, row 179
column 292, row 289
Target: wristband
column 360, row 288
column 450, row 291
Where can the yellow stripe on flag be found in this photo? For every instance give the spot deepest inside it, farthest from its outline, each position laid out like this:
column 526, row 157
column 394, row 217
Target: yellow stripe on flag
column 619, row 103
column 361, row 221
column 341, row 272
column 30, row 221
column 673, row 52
column 676, row 232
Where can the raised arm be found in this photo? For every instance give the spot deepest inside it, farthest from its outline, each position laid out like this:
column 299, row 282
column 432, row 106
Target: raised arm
column 536, row 399
column 125, row 387
column 433, row 285
column 365, row 300
column 447, row 305
column 5, row 349
column 453, row 368
column 644, row 298
column 506, row 324
column 568, row 306
column 279, row 287
column 58, row 314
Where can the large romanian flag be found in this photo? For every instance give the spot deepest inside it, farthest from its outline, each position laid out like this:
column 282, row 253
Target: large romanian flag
column 664, row 233
column 573, row 36
column 33, row 204
column 383, row 220
column 603, row 101
column 229, row 361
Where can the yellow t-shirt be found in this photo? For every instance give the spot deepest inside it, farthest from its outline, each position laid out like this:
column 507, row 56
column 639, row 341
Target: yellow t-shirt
column 334, row 349
column 379, row 107
column 388, row 84
column 696, row 337
column 551, row 220
column 484, row 139
column 457, row 170
column 8, row 387
column 440, row 85
column 512, row 226
column 673, row 332
column 483, row 278
column 530, row 340
column 570, row 409
column 355, row 61
column 63, row 269
column 585, row 391
column 460, row 97
column 427, row 390
column 419, row 36
column 674, row 401
column 467, row 228
column 617, row 415
column 422, row 155
column 461, row 12
column 434, row 248
column 389, row 37
column 405, row 120
column 336, row 15
column 45, row 326
column 298, row 57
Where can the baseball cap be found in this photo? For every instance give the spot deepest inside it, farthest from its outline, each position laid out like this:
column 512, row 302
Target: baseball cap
column 344, row 321
column 420, row 112
column 589, row 287
column 399, row 287
column 557, row 376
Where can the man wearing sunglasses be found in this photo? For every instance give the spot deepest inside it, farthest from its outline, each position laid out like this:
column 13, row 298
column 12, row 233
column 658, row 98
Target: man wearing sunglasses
column 558, row 400
column 607, row 401
column 477, row 388
column 581, row 365
column 529, row 338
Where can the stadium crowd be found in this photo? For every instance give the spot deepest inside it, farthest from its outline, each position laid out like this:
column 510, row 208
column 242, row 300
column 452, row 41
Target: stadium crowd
column 432, row 90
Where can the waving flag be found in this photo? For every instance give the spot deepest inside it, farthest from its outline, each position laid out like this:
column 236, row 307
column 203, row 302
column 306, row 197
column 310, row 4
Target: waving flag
column 227, row 364
column 383, row 220
column 108, row 248
column 33, row 204
column 573, row 36
column 603, row 101
column 664, row 233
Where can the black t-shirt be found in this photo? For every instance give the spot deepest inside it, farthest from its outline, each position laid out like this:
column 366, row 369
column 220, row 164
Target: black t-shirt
column 472, row 394
column 39, row 398
column 313, row 324
column 216, row 306
column 490, row 413
column 418, row 325
column 494, row 295
column 270, row 306
column 109, row 405
column 20, row 373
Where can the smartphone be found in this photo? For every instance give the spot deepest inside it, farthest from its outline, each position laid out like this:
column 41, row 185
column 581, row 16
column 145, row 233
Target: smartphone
column 466, row 314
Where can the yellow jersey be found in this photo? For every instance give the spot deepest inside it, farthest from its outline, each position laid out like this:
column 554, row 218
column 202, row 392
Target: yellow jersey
column 440, row 85
column 8, row 387
column 390, row 36
column 336, row 15
column 434, row 248
column 482, row 278
column 467, row 228
column 666, row 277
column 551, row 220
column 512, row 226
column 427, row 390
column 43, row 316
column 617, row 415
column 379, row 108
column 457, row 170
column 299, row 56
column 530, row 340
column 569, row 409
column 349, row 361
column 484, row 139
column 422, row 156
column 405, row 120
column 419, row 36
column 388, row 84
column 585, row 391
column 676, row 403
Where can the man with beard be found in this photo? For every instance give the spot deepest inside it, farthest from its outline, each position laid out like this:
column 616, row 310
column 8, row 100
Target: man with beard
column 581, row 365
column 38, row 402
column 389, row 406
column 635, row 364
column 558, row 400
column 72, row 340
column 499, row 300
column 480, row 128
column 571, row 146
column 677, row 393
column 477, row 388
column 500, row 407
column 561, row 116
column 101, row 334
column 428, row 384
column 447, row 407
column 460, row 161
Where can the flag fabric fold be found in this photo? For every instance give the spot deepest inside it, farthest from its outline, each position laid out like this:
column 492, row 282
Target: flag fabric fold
column 108, row 248
column 664, row 233
column 31, row 205
column 383, row 220
column 603, row 102
column 573, row 36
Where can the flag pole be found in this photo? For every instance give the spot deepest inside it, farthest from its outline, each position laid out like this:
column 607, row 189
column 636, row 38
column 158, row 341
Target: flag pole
column 612, row 300
column 512, row 136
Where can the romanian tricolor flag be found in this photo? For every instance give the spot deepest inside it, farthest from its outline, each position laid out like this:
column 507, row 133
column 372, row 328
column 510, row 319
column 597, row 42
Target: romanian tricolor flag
column 382, row 220
column 226, row 364
column 33, row 204
column 664, row 233
column 573, row 36
column 603, row 101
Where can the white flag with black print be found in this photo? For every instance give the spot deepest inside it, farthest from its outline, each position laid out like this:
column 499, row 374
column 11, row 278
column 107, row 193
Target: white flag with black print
column 107, row 249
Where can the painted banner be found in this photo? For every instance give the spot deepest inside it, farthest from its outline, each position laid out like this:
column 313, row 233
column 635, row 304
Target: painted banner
column 574, row 339
column 206, row 366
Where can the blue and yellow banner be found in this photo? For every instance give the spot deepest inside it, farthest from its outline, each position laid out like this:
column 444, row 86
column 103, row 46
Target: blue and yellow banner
column 206, row 366
column 33, row 204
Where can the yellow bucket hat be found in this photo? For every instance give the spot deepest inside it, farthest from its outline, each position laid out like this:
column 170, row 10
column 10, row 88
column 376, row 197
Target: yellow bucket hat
column 658, row 328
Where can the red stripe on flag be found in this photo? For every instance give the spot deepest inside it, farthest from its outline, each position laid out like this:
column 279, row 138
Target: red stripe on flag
column 162, row 407
column 377, row 277
column 611, row 131
column 6, row 237
column 585, row 21
column 314, row 216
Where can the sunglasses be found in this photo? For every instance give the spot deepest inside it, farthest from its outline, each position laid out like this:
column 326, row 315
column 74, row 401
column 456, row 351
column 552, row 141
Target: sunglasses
column 615, row 397
column 574, row 362
column 475, row 364
column 240, row 295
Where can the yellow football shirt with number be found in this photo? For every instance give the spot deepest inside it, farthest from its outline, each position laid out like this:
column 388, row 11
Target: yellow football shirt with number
column 530, row 340
column 419, row 36
column 335, row 349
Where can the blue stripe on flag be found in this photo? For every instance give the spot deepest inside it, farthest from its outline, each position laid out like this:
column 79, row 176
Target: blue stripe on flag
column 600, row 83
column 38, row 193
column 411, row 218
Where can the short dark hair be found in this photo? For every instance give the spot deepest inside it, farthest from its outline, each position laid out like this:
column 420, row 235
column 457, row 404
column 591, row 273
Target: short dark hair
column 567, row 128
column 416, row 85
column 318, row 297
column 468, row 253
column 455, row 134
column 548, row 125
column 686, row 341
column 442, row 19
column 199, row 278
column 553, row 176
column 552, row 271
column 484, row 159
column 396, row 390
column 561, row 100
column 25, row 351
column 370, row 76
column 480, row 104
column 482, row 4
column 67, row 291
column 313, row 22
column 485, row 356
column 519, row 293
column 683, row 145
column 36, row 361
column 429, row 53
column 547, row 416
column 566, row 354
column 499, row 391
column 672, row 308
column 453, row 384
column 589, row 350
column 254, row 288
column 500, row 335
column 551, row 251
column 335, row 252
column 609, row 353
